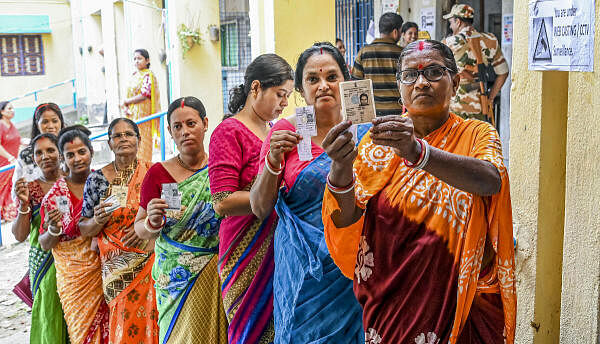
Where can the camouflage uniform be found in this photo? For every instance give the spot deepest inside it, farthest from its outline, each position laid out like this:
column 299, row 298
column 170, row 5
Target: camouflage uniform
column 466, row 103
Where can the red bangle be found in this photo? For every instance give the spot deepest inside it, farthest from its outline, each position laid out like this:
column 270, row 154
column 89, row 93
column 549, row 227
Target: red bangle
column 275, row 169
column 343, row 189
column 164, row 219
column 421, row 156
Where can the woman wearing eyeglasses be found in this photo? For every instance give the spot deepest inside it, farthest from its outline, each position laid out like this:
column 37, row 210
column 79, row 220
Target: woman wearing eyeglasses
column 126, row 260
column 423, row 225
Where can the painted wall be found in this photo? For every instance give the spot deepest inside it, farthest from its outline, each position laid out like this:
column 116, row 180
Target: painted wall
column 198, row 73
column 580, row 317
column 292, row 35
column 58, row 58
column 555, row 193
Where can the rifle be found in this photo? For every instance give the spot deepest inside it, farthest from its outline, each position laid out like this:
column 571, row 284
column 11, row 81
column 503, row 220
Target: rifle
column 485, row 74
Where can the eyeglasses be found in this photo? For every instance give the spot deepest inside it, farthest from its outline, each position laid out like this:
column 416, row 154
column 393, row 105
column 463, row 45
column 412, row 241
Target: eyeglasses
column 126, row 134
column 433, row 73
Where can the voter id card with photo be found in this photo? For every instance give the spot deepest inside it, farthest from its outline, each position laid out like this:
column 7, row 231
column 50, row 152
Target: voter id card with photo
column 170, row 193
column 120, row 193
column 113, row 204
column 62, row 204
column 358, row 103
column 305, row 120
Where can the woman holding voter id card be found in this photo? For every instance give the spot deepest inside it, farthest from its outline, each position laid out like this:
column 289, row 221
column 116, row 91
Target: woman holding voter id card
column 313, row 301
column 47, row 324
column 176, row 210
column 78, row 274
column 247, row 278
column 420, row 217
column 111, row 200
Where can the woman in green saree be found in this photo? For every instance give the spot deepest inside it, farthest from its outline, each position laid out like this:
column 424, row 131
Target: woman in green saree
column 188, row 293
column 47, row 320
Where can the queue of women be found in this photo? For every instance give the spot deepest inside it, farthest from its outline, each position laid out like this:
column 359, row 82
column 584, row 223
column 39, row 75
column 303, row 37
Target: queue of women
column 402, row 234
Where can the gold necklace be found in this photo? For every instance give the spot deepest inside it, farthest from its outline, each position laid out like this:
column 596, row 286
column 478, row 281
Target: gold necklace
column 122, row 177
column 186, row 166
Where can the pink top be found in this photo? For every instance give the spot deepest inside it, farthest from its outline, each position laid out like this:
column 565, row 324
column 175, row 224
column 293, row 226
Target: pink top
column 9, row 140
column 292, row 164
column 234, row 154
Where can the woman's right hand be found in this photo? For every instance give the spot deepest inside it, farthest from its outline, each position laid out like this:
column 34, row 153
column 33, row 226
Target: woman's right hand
column 54, row 217
column 155, row 211
column 282, row 141
column 22, row 191
column 100, row 213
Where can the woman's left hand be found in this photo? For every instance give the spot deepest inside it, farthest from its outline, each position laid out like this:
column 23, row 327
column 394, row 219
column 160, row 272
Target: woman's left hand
column 131, row 239
column 398, row 133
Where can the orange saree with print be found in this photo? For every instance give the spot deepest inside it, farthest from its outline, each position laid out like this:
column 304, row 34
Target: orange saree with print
column 126, row 273
column 430, row 262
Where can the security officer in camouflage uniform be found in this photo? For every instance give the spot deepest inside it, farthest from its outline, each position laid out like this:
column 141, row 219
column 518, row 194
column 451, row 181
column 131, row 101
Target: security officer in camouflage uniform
column 467, row 103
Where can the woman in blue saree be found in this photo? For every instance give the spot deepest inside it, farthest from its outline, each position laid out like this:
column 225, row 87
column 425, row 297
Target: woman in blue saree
column 313, row 301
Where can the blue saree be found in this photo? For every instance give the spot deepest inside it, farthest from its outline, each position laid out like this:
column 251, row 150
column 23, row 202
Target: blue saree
column 313, row 301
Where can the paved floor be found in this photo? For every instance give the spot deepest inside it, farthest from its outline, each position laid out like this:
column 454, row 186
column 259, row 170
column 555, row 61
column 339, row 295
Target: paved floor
column 15, row 316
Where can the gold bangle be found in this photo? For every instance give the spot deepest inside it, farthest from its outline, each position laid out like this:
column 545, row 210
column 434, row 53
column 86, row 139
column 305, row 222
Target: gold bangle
column 98, row 223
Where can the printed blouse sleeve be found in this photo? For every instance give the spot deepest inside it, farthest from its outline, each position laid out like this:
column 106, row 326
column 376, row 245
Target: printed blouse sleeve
column 225, row 160
column 146, row 89
column 95, row 188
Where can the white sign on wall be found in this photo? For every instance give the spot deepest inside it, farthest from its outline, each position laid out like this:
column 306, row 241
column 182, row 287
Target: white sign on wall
column 507, row 29
column 561, row 35
column 389, row 6
column 427, row 22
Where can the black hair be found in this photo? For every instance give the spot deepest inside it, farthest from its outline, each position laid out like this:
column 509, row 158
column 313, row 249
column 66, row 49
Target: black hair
column 269, row 69
column 408, row 25
column 131, row 123
column 442, row 49
column 317, row 48
column 37, row 114
column 337, row 40
column 189, row 101
column 3, row 106
column 390, row 21
column 144, row 54
column 69, row 134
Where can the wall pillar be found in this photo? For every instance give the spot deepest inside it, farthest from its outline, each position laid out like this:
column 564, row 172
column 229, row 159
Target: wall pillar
column 537, row 172
column 580, row 317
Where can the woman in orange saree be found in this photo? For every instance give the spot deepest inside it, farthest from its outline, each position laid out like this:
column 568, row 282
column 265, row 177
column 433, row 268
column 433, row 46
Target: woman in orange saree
column 143, row 100
column 126, row 265
column 420, row 216
column 78, row 276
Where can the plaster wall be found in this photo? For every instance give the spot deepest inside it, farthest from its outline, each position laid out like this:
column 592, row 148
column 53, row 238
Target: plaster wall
column 580, row 317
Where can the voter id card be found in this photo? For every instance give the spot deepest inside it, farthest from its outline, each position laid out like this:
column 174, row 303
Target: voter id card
column 62, row 204
column 306, row 121
column 113, row 204
column 358, row 103
column 170, row 193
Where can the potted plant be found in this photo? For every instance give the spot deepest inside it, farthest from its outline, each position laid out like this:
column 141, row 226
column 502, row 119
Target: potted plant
column 188, row 37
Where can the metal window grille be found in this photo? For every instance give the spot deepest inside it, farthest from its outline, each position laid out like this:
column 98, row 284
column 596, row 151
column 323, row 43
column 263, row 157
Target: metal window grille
column 21, row 55
column 352, row 19
column 236, row 53
column 229, row 45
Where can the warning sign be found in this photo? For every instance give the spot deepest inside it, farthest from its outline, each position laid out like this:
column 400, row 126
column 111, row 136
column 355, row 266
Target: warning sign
column 561, row 35
column 543, row 44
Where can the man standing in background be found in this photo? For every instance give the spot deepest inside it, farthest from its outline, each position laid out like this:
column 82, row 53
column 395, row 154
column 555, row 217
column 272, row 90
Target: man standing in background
column 468, row 100
column 378, row 62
